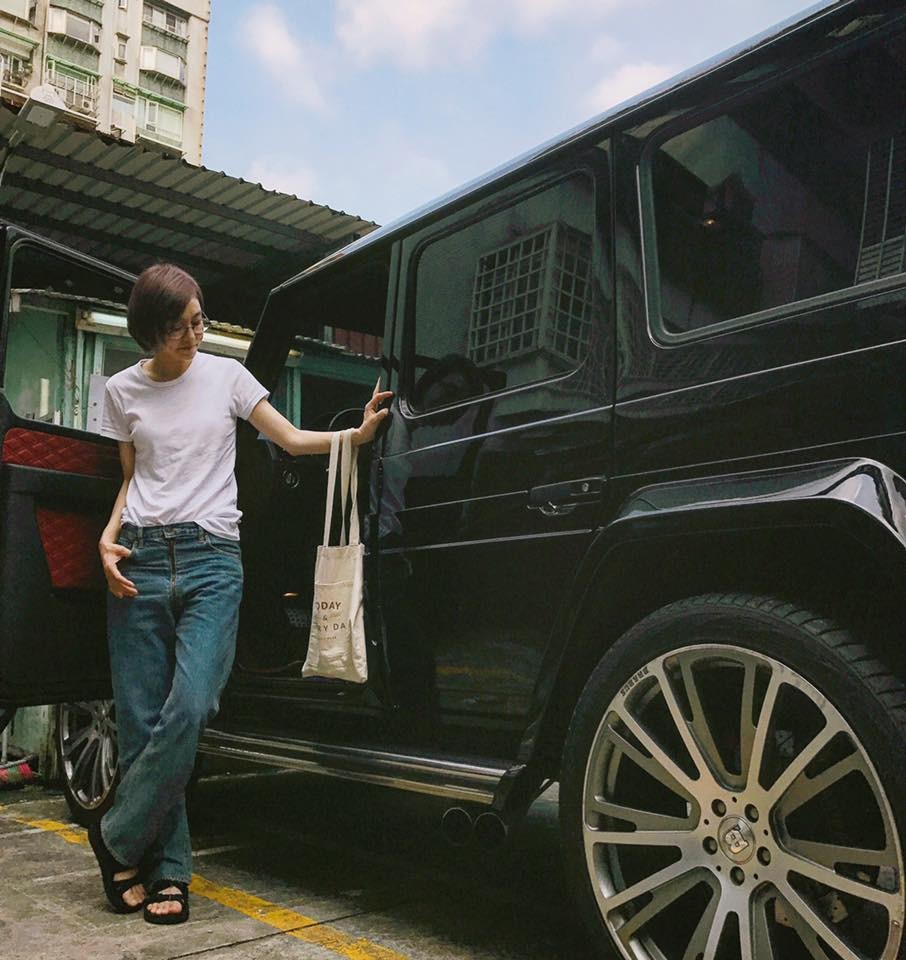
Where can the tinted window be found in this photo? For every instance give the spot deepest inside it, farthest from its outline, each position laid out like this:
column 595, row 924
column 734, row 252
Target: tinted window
column 507, row 300
column 798, row 193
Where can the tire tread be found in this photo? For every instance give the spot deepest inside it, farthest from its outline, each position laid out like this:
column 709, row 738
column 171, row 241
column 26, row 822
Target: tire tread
column 879, row 681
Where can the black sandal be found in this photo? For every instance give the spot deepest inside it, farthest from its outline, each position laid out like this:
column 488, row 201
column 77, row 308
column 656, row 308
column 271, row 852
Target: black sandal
column 155, row 896
column 114, row 889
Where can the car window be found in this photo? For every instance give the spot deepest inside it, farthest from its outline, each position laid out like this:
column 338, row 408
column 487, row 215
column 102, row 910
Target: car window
column 797, row 193
column 507, row 300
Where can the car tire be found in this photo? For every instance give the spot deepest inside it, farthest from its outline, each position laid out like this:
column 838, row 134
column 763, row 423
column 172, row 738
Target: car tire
column 733, row 786
column 87, row 757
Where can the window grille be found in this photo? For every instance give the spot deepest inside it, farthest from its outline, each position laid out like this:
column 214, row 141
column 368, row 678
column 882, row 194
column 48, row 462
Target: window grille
column 160, row 123
column 534, row 293
column 15, row 70
column 79, row 91
column 883, row 244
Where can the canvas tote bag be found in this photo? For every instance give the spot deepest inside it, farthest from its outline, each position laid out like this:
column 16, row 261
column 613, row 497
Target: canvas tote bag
column 336, row 643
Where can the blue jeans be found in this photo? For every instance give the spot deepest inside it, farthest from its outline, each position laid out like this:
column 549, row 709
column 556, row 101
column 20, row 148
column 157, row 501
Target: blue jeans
column 171, row 651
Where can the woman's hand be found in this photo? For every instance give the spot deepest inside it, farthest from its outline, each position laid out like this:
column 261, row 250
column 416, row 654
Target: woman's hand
column 265, row 419
column 111, row 554
column 372, row 417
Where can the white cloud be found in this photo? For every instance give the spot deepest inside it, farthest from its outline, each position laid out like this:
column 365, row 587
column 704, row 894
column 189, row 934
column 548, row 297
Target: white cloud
column 295, row 66
column 284, row 175
column 420, row 33
column 414, row 33
column 625, row 82
column 606, row 48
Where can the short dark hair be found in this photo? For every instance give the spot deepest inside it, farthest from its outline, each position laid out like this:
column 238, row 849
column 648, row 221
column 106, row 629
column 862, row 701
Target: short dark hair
column 157, row 301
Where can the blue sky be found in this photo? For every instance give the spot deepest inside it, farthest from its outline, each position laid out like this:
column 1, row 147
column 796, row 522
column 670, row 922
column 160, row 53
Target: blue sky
column 377, row 106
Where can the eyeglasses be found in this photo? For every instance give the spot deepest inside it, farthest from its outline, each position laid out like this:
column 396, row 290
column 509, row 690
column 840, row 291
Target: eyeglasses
column 200, row 323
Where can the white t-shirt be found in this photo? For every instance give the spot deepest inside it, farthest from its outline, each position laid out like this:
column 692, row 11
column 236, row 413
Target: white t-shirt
column 184, row 432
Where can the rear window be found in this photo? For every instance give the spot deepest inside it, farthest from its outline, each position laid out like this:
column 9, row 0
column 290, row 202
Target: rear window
column 798, row 193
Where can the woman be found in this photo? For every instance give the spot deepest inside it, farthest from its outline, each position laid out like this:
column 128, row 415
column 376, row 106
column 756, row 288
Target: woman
column 171, row 557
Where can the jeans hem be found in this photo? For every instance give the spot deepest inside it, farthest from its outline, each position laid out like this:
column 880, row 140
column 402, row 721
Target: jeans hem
column 156, row 875
column 124, row 861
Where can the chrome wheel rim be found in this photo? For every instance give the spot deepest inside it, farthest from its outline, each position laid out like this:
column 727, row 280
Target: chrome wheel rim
column 87, row 732
column 718, row 822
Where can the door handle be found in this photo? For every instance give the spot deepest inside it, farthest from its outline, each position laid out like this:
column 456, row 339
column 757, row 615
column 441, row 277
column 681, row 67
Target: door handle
column 554, row 509
column 560, row 499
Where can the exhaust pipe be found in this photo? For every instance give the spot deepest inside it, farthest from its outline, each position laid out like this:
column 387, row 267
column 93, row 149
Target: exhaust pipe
column 490, row 830
column 456, row 824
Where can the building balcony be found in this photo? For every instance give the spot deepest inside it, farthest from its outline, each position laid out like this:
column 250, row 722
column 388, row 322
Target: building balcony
column 14, row 78
column 92, row 43
column 79, row 96
column 170, row 79
column 173, row 144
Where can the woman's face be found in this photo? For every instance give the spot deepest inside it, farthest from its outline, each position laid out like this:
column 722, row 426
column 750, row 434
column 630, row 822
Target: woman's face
column 182, row 340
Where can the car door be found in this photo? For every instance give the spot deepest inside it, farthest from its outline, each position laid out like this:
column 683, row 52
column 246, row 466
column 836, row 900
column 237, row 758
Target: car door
column 496, row 458
column 318, row 385
column 57, row 478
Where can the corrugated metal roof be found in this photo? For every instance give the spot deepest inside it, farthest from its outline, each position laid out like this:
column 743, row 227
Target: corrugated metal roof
column 132, row 205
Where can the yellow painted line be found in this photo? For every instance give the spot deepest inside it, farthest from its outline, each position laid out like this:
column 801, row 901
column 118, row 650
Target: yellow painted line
column 290, row 922
column 69, row 833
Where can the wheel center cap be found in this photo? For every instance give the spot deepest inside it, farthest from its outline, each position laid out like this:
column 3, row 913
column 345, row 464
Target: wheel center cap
column 736, row 839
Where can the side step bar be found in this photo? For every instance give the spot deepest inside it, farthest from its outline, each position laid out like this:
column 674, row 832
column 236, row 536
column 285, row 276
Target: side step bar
column 437, row 777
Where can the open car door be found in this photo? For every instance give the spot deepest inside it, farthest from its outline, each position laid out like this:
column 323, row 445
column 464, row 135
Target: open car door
column 317, row 348
column 58, row 477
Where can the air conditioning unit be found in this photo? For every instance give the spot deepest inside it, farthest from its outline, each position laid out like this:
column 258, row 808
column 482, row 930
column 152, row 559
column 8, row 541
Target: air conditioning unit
column 85, row 105
column 151, row 127
column 116, row 131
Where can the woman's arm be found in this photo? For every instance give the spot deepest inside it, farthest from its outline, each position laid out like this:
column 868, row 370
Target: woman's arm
column 111, row 551
column 276, row 427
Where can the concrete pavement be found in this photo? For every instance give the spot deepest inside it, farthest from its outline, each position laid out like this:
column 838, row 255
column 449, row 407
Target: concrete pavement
column 287, row 866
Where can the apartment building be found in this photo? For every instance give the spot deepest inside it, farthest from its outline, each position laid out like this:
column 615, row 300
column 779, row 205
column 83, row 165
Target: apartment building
column 132, row 69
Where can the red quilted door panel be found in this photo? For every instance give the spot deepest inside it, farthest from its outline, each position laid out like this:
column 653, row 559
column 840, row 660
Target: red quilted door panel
column 69, row 538
column 48, row 451
column 70, row 543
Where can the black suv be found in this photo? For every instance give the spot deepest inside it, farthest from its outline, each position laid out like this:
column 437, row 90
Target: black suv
column 637, row 522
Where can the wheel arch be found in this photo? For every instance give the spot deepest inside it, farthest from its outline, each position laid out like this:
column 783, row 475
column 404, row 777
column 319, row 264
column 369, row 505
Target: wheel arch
column 831, row 535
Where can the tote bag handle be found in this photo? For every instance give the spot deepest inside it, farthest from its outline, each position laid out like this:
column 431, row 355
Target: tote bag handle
column 343, row 459
column 350, row 489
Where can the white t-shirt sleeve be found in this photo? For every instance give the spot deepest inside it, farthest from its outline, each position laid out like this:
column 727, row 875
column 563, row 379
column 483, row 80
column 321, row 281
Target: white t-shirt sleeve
column 247, row 392
column 113, row 423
